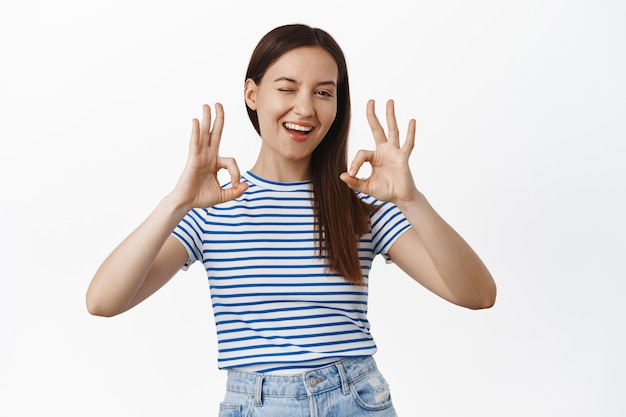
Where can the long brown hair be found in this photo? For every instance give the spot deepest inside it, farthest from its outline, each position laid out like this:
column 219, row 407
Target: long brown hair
column 340, row 216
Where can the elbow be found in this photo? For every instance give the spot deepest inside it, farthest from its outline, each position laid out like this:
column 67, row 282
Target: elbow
column 96, row 308
column 485, row 293
column 476, row 297
column 486, row 300
column 487, row 303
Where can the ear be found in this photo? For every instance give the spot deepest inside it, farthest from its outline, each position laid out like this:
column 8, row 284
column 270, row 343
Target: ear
column 250, row 93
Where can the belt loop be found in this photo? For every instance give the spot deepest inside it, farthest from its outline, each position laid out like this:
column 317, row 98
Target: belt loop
column 344, row 378
column 258, row 390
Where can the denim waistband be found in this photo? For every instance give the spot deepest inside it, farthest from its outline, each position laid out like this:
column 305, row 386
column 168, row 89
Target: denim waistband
column 315, row 381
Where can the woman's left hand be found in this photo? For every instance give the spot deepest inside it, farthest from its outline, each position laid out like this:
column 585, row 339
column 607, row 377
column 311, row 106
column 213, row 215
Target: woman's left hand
column 390, row 178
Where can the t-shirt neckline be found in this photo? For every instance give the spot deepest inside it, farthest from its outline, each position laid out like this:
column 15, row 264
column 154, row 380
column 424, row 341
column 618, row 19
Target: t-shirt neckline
column 275, row 185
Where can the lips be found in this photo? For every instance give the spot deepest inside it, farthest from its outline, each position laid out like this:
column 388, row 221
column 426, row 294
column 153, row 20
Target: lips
column 297, row 127
column 298, row 131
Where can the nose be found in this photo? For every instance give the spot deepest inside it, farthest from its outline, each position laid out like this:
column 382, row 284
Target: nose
column 303, row 105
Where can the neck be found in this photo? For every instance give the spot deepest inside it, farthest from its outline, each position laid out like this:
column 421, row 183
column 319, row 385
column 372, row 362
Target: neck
column 284, row 170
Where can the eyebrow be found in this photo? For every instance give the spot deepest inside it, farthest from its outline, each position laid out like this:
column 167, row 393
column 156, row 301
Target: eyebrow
column 291, row 80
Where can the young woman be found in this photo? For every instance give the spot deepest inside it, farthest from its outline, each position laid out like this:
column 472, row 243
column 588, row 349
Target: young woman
column 288, row 244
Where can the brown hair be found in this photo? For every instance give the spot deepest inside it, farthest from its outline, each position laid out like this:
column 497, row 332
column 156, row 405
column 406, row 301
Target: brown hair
column 340, row 216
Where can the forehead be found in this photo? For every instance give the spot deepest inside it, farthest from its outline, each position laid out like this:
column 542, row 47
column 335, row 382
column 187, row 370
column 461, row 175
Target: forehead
column 305, row 63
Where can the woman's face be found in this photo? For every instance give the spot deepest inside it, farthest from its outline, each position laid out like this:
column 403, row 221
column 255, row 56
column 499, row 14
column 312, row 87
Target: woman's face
column 296, row 103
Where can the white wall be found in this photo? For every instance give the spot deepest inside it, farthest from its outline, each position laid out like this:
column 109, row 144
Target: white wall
column 521, row 136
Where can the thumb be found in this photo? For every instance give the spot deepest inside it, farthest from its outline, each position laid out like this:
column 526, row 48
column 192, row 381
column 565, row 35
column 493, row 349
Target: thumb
column 352, row 182
column 234, row 191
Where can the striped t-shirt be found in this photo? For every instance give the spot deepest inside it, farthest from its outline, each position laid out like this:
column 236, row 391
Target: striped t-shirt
column 277, row 308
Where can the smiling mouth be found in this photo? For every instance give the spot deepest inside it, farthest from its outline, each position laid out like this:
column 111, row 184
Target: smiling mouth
column 297, row 128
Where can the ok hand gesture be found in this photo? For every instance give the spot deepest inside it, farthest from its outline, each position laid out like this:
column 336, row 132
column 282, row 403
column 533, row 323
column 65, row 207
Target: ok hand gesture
column 198, row 185
column 390, row 178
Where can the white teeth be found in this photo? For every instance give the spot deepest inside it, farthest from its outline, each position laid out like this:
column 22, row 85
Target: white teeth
column 294, row 126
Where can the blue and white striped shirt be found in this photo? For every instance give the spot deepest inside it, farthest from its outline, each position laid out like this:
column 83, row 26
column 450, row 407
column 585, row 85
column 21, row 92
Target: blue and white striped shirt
column 277, row 308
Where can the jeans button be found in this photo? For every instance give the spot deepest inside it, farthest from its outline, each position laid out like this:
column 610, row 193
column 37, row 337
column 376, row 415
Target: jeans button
column 314, row 381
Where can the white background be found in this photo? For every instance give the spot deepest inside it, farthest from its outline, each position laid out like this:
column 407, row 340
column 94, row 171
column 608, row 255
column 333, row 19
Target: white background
column 521, row 111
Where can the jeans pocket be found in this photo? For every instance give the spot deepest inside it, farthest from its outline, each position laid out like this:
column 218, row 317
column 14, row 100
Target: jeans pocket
column 234, row 405
column 371, row 391
column 229, row 410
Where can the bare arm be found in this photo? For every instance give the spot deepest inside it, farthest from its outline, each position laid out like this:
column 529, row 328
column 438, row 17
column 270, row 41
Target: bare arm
column 437, row 257
column 144, row 261
column 141, row 264
column 432, row 252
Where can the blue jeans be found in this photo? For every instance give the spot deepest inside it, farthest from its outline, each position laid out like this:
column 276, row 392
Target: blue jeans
column 349, row 388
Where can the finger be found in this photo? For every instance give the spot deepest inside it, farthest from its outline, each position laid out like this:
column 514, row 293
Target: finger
column 195, row 133
column 353, row 182
column 392, row 125
column 205, row 126
column 233, row 169
column 218, row 126
column 237, row 187
column 377, row 130
column 409, row 143
column 234, row 191
column 360, row 158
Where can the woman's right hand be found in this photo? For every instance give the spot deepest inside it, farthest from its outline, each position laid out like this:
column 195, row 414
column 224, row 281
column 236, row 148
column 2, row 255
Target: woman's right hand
column 198, row 185
column 148, row 257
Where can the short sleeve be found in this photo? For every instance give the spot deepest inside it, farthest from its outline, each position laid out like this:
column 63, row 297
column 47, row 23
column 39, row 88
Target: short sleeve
column 189, row 232
column 387, row 225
